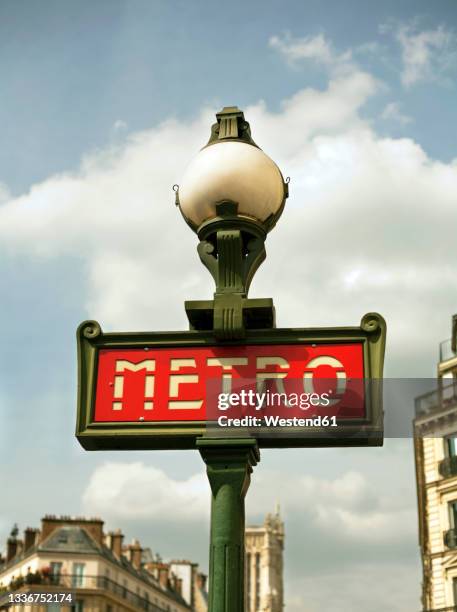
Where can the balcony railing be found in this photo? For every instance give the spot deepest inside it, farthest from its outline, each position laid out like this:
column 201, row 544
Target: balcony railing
column 72, row 583
column 448, row 467
column 436, row 400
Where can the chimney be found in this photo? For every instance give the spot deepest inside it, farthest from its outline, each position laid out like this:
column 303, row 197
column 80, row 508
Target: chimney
column 12, row 544
column 116, row 538
column 94, row 526
column 151, row 568
column 11, row 548
column 48, row 524
column 134, row 554
column 179, row 586
column 201, row 581
column 163, row 576
column 30, row 538
column 173, row 582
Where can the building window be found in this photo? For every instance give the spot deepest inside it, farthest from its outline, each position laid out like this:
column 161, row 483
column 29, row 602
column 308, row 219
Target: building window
column 104, row 581
column 451, row 446
column 56, row 572
column 78, row 575
column 78, row 606
column 453, row 514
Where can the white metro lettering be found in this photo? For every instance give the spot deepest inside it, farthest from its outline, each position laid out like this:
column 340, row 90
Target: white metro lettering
column 180, row 379
column 121, row 366
column 227, row 363
column 264, row 362
column 340, row 373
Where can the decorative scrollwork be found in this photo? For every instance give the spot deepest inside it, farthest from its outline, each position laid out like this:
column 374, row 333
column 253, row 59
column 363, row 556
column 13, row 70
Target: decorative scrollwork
column 205, row 248
column 90, row 329
column 372, row 322
column 206, row 252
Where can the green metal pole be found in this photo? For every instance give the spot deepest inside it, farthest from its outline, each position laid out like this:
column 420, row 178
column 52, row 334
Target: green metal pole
column 229, row 465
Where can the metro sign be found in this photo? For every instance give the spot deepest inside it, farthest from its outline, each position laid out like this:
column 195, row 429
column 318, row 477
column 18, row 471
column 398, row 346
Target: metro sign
column 160, row 390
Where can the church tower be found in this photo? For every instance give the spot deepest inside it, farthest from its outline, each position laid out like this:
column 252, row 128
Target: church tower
column 264, row 565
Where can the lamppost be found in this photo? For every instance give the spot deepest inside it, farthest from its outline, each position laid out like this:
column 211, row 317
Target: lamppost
column 231, row 195
column 149, row 390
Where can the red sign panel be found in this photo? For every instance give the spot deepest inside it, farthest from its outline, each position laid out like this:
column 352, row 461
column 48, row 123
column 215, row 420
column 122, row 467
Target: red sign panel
column 175, row 384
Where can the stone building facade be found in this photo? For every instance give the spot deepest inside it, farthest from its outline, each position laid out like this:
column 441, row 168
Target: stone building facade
column 435, row 446
column 193, row 584
column 264, row 565
column 74, row 555
column 105, row 575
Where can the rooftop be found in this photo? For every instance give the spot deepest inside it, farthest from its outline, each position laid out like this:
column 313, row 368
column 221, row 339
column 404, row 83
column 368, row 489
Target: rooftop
column 80, row 536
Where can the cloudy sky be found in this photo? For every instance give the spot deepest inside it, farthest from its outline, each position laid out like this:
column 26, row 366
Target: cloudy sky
column 102, row 106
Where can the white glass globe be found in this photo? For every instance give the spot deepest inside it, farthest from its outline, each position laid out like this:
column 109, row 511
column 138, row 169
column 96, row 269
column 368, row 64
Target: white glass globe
column 233, row 171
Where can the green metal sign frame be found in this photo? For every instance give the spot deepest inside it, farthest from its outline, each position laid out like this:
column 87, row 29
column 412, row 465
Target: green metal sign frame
column 152, row 435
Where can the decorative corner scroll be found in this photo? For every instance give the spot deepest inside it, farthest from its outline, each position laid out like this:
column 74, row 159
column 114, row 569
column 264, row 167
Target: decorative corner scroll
column 206, row 252
column 372, row 322
column 89, row 330
column 86, row 334
column 375, row 326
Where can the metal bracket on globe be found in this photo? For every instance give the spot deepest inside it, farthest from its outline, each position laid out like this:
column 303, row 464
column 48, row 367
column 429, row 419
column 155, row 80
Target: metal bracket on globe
column 232, row 249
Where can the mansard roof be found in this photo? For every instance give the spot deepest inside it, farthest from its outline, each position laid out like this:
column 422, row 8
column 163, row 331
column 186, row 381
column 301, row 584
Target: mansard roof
column 74, row 539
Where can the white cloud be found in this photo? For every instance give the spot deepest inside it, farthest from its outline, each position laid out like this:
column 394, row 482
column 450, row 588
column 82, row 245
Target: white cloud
column 356, row 586
column 4, row 194
column 369, row 226
column 117, row 214
column 392, row 112
column 317, row 48
column 121, row 491
column 379, row 206
column 309, row 47
column 334, row 524
column 120, row 126
column 347, row 508
column 427, row 54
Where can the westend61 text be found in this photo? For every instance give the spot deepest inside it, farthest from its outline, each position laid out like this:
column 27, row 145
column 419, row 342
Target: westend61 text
column 252, row 399
column 276, row 421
